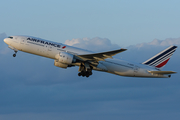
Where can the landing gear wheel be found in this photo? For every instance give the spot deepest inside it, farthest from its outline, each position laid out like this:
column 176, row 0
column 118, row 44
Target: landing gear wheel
column 79, row 74
column 14, row 55
column 83, row 73
column 85, row 70
column 90, row 73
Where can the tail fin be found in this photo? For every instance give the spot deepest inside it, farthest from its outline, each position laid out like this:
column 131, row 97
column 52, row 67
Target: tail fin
column 161, row 58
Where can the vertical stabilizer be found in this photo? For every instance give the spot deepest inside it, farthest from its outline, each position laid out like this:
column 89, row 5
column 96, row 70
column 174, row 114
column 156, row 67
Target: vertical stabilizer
column 161, row 58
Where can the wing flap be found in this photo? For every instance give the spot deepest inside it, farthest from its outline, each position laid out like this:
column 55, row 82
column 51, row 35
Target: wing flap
column 101, row 56
column 162, row 72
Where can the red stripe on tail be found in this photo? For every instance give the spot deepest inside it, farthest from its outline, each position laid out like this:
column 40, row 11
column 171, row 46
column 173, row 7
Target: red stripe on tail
column 162, row 64
column 63, row 47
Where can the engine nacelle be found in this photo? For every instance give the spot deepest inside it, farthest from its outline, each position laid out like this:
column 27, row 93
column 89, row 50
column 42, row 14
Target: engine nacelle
column 58, row 64
column 66, row 58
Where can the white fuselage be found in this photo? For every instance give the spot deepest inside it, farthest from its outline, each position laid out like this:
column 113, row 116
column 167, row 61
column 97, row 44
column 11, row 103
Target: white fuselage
column 51, row 50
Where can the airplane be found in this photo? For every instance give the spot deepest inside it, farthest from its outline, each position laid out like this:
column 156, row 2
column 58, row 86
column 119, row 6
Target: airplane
column 68, row 56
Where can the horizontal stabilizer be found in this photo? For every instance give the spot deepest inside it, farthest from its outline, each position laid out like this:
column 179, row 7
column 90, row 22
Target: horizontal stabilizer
column 100, row 56
column 162, row 72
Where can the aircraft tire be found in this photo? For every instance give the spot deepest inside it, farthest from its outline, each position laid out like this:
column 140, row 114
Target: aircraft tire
column 79, row 74
column 14, row 55
column 90, row 73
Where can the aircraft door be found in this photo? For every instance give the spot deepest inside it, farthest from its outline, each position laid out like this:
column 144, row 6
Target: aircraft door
column 50, row 51
column 22, row 43
column 49, row 48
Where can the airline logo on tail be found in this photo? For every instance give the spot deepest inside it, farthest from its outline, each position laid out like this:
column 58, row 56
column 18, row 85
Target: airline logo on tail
column 161, row 58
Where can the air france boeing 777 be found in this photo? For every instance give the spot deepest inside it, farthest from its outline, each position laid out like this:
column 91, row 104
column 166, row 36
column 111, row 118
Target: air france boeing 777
column 67, row 56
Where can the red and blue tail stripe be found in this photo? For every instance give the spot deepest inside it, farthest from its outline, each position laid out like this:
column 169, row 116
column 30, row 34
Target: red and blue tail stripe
column 161, row 58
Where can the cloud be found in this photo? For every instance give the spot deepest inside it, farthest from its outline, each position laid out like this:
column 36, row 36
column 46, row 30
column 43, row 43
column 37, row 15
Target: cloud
column 94, row 44
column 32, row 86
column 157, row 42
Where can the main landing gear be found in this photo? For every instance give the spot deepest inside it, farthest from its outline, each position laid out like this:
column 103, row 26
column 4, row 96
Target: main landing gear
column 85, row 73
column 85, row 70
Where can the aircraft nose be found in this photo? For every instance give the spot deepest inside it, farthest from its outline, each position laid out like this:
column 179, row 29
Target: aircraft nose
column 5, row 40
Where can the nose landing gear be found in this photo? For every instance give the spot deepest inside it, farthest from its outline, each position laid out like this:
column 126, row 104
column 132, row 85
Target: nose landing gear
column 15, row 50
column 14, row 55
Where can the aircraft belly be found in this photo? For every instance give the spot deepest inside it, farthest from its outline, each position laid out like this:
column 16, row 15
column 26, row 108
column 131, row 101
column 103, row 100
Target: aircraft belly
column 120, row 69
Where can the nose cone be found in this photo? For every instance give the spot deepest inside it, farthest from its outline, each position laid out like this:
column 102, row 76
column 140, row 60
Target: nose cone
column 5, row 40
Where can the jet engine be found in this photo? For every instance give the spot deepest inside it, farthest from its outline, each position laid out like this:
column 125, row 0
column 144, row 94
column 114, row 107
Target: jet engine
column 65, row 59
column 58, row 64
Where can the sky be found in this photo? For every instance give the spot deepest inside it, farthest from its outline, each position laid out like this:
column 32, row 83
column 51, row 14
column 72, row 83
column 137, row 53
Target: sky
column 123, row 22
column 31, row 87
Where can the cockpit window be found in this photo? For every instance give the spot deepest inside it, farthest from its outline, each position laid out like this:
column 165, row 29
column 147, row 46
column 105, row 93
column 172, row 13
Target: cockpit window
column 10, row 37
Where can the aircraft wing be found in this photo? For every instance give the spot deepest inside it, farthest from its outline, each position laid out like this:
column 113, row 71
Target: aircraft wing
column 100, row 56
